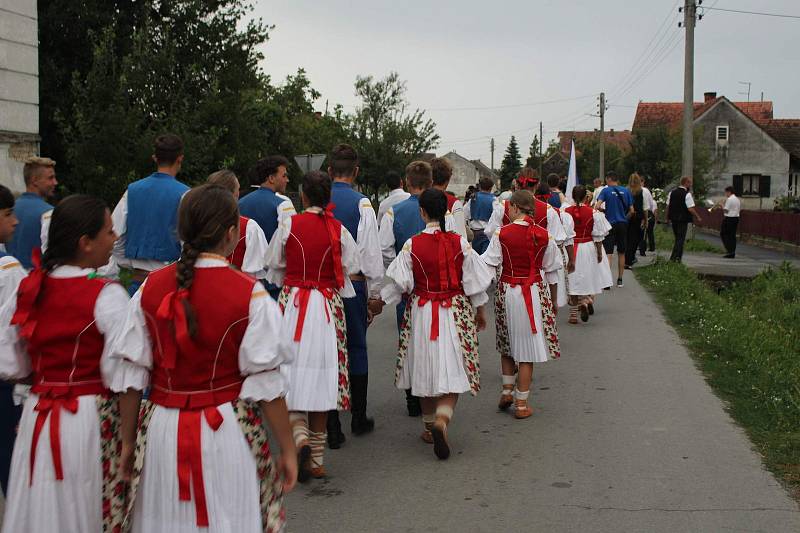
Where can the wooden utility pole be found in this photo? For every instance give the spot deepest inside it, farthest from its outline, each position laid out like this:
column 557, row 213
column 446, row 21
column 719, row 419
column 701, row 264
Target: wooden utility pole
column 689, row 13
column 602, row 135
column 541, row 140
column 491, row 147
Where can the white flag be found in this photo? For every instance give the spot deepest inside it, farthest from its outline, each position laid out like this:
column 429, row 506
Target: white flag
column 572, row 175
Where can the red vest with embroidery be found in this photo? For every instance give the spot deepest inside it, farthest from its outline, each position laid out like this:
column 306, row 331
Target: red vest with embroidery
column 309, row 257
column 523, row 252
column 451, row 201
column 204, row 370
column 539, row 213
column 237, row 257
column 584, row 222
column 65, row 346
column 437, row 262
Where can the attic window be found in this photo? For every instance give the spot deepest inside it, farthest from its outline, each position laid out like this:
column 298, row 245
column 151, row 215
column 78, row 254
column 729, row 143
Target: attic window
column 722, row 133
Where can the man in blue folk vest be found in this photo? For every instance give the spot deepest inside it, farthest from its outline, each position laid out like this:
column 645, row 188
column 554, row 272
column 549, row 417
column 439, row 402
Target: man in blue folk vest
column 146, row 216
column 355, row 212
column 478, row 211
column 403, row 221
column 31, row 209
column 267, row 205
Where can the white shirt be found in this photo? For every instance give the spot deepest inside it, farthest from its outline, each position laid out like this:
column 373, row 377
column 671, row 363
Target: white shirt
column 732, row 206
column 596, row 193
column 386, row 234
column 45, row 223
column 459, row 222
column 649, row 201
column 255, row 251
column 689, row 199
column 551, row 262
column 119, row 218
column 395, row 196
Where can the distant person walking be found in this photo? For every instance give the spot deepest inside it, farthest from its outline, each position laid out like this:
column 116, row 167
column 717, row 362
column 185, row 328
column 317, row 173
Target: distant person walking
column 617, row 204
column 31, row 209
column 478, row 211
column 727, row 232
column 648, row 242
column 681, row 211
column 637, row 221
column 397, row 193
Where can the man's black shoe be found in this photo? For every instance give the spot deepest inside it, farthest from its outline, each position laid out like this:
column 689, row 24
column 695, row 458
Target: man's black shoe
column 729, row 256
column 335, row 436
column 360, row 423
column 412, row 404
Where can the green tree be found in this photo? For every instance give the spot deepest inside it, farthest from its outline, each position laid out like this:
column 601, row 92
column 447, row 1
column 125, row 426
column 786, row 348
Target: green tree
column 588, row 159
column 387, row 135
column 511, row 165
column 533, row 153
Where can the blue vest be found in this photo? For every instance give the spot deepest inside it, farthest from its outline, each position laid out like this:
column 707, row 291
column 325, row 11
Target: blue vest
column 346, row 202
column 28, row 209
column 481, row 206
column 554, row 200
column 151, row 228
column 407, row 221
column 262, row 206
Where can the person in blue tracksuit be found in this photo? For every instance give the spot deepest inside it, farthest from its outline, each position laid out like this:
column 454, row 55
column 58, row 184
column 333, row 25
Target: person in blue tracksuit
column 11, row 273
column 31, row 208
column 403, row 221
column 267, row 204
column 355, row 212
column 478, row 211
column 146, row 217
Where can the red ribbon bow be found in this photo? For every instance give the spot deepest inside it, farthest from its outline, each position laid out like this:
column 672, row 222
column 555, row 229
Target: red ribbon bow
column 532, row 270
column 51, row 406
column 172, row 309
column 190, row 457
column 301, row 302
column 435, row 303
column 335, row 234
column 27, row 294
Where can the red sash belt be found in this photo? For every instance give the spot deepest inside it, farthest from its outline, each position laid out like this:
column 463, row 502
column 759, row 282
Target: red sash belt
column 443, row 298
column 576, row 242
column 52, row 399
column 525, row 283
column 301, row 301
column 190, row 450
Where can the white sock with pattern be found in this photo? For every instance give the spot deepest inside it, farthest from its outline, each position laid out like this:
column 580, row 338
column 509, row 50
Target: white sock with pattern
column 299, row 423
column 317, row 442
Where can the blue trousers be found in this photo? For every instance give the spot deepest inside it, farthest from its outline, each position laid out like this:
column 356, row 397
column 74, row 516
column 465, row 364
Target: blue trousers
column 9, row 416
column 355, row 314
column 133, row 287
column 480, row 242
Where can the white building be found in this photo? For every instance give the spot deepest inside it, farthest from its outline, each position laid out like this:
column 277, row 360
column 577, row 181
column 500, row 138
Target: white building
column 19, row 89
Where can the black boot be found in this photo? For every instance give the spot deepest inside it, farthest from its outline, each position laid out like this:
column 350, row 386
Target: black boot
column 360, row 424
column 412, row 404
column 335, row 436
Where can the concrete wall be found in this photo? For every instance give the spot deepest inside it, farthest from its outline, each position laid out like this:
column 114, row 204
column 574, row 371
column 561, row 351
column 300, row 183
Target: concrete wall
column 749, row 151
column 19, row 88
column 464, row 174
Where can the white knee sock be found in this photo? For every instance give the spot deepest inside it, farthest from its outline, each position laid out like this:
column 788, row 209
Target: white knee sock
column 521, row 395
column 508, row 384
column 445, row 411
column 299, row 423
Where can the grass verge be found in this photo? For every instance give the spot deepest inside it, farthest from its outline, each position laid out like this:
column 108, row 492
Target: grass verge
column 665, row 240
column 745, row 341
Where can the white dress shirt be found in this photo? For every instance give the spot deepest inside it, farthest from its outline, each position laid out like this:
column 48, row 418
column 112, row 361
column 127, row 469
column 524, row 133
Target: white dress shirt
column 649, row 201
column 395, row 196
column 732, row 207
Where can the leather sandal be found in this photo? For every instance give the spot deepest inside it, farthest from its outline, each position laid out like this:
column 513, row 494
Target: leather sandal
column 427, row 437
column 506, row 400
column 522, row 409
column 318, row 472
column 440, row 445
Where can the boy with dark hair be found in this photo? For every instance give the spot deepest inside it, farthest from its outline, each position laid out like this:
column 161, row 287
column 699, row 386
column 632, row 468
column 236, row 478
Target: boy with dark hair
column 442, row 171
column 11, row 274
column 478, row 212
column 555, row 199
column 397, row 193
column 355, row 212
column 146, row 217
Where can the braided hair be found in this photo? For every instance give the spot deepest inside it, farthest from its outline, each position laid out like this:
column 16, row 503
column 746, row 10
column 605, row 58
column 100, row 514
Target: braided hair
column 317, row 188
column 205, row 215
column 523, row 200
column 578, row 195
column 74, row 216
column 434, row 203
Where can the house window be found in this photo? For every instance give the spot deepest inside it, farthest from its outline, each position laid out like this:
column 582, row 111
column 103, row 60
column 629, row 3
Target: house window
column 722, row 133
column 794, row 184
column 750, row 184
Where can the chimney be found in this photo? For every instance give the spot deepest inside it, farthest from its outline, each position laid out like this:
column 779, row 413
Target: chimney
column 707, row 97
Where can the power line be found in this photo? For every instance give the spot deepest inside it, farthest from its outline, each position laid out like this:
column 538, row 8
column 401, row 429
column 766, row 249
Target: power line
column 508, row 106
column 779, row 15
column 668, row 48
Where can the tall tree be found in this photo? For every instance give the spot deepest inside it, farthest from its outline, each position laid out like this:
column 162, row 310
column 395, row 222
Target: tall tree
column 511, row 165
column 387, row 135
column 533, row 153
column 588, row 159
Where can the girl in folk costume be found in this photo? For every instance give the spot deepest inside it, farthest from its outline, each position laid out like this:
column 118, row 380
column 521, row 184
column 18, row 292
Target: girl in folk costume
column 312, row 256
column 563, row 235
column 206, row 338
column 524, row 250
column 251, row 248
column 57, row 335
column 592, row 272
column 438, row 355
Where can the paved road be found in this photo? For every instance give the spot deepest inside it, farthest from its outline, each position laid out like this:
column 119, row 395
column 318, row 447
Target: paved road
column 626, row 436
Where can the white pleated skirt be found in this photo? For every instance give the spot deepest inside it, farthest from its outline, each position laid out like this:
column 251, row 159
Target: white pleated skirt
column 313, row 374
column 71, row 504
column 229, row 477
column 433, row 367
column 524, row 345
column 590, row 277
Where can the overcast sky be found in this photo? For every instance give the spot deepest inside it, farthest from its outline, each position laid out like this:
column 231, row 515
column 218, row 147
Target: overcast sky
column 469, row 54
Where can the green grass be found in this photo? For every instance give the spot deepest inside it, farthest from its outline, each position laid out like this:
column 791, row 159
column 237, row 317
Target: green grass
column 745, row 341
column 665, row 240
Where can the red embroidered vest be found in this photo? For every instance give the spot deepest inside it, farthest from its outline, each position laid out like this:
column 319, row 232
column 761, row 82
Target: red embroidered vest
column 237, row 257
column 539, row 214
column 202, row 371
column 584, row 222
column 309, row 253
column 523, row 252
column 451, row 201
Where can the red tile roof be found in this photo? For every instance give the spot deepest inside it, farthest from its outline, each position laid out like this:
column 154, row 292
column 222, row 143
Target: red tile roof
column 670, row 114
column 786, row 131
column 619, row 138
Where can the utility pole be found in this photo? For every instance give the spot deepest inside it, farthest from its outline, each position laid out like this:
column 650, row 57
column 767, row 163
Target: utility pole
column 491, row 147
column 602, row 135
column 689, row 13
column 541, row 140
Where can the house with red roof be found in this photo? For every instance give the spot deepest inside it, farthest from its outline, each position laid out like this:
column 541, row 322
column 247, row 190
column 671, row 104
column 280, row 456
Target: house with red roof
column 751, row 150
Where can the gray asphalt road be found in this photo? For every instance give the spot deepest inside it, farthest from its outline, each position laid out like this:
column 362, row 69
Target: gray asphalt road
column 626, row 436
